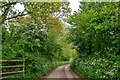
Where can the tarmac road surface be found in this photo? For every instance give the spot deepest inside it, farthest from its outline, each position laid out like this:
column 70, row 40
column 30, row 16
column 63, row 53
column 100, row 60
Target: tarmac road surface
column 62, row 73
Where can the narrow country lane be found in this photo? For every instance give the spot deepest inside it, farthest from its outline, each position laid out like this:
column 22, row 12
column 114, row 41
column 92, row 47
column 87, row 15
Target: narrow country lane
column 62, row 73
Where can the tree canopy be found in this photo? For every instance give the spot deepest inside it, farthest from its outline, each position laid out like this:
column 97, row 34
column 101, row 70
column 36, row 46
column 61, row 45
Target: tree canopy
column 94, row 32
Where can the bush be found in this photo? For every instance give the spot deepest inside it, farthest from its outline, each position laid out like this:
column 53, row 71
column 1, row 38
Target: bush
column 94, row 66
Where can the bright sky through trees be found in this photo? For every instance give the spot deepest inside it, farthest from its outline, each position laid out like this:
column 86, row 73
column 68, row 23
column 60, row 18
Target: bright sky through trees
column 74, row 5
column 19, row 7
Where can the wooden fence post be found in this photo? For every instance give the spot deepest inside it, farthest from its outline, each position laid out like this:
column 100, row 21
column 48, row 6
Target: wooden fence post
column 23, row 68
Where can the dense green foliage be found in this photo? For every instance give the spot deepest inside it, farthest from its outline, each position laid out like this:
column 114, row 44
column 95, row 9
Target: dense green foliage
column 35, row 46
column 95, row 35
column 96, row 67
column 38, row 35
column 34, row 38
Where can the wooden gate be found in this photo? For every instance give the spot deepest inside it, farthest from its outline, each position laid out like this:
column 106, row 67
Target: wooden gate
column 14, row 67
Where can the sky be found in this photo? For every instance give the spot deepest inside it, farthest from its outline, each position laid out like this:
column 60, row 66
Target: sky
column 74, row 5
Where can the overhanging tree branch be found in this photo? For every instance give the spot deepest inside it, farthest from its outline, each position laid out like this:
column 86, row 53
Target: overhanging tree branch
column 8, row 4
column 4, row 15
column 16, row 16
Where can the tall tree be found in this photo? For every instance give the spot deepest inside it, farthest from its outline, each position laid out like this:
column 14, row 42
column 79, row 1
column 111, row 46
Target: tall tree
column 31, row 8
column 95, row 29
